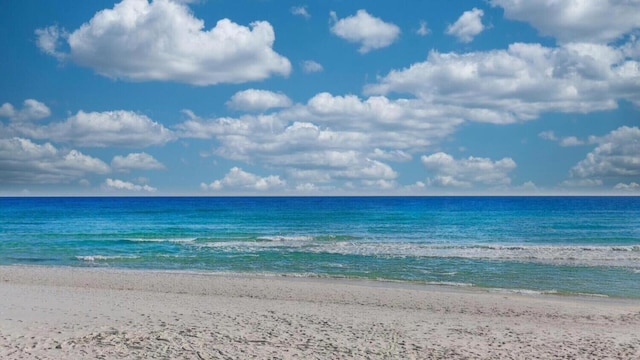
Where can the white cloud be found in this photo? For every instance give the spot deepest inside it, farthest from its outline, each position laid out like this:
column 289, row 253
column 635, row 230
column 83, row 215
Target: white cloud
column 423, row 30
column 548, row 135
column 617, row 156
column 48, row 41
column 102, row 129
column 393, row 155
column 142, row 161
column 370, row 32
column 22, row 161
column 630, row 187
column 258, row 100
column 582, row 183
column 576, row 20
column 330, row 122
column 505, row 86
column 467, row 26
column 301, row 11
column 31, row 110
column 310, row 66
column 116, row 184
column 468, row 172
column 571, row 141
column 238, row 179
column 565, row 141
column 162, row 40
column 330, row 139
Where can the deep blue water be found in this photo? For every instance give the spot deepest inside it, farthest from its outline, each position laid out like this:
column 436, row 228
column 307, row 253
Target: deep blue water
column 561, row 245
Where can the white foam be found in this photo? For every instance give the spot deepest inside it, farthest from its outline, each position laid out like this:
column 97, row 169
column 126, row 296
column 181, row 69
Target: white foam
column 172, row 240
column 285, row 238
column 619, row 256
column 92, row 258
column 450, row 283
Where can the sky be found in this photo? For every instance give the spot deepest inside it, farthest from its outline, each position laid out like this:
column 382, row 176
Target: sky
column 325, row 97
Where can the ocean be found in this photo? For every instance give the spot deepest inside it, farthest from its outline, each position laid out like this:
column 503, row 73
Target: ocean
column 555, row 245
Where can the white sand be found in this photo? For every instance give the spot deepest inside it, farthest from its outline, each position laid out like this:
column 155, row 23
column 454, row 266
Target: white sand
column 63, row 313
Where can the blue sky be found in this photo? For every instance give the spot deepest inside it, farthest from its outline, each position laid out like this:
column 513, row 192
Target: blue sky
column 266, row 97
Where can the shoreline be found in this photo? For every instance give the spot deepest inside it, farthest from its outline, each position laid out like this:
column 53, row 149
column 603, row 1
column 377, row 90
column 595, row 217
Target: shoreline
column 377, row 282
column 68, row 312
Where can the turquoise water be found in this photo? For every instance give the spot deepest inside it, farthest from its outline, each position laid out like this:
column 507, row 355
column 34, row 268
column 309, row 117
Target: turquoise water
column 566, row 245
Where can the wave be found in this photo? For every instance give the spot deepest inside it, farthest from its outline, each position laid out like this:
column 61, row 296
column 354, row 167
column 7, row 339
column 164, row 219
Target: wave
column 626, row 256
column 171, row 240
column 285, row 238
column 94, row 258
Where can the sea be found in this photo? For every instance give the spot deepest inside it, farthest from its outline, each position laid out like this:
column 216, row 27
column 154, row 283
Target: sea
column 548, row 245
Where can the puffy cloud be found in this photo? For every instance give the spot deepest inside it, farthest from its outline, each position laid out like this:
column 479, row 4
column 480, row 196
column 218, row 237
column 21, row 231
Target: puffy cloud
column 238, row 179
column 576, row 20
column 116, row 184
column 617, row 156
column 505, row 86
column 31, row 110
column 310, row 66
column 300, row 11
column 423, row 30
column 101, row 129
column 331, row 122
column 132, row 161
column 467, row 172
column 162, row 40
column 467, row 26
column 370, row 32
column 342, row 138
column 22, row 161
column 258, row 100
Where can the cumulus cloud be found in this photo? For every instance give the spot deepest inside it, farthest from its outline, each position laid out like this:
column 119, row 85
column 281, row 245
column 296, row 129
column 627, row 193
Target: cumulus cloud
column 331, row 123
column 599, row 21
column 617, row 156
column 301, row 11
column 238, row 179
column 341, row 139
column 119, row 185
column 310, row 66
column 31, row 110
column 258, row 100
column 163, row 40
column 369, row 31
column 468, row 172
column 505, row 86
column 142, row 161
column 467, row 26
column 102, row 129
column 23, row 161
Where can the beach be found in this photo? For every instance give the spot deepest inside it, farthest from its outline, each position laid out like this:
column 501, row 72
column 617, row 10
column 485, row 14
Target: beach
column 82, row 313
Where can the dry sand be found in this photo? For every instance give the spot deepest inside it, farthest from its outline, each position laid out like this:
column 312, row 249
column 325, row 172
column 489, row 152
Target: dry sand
column 65, row 313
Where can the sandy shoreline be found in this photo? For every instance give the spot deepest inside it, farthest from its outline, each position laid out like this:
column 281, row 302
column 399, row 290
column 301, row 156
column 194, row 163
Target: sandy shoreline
column 65, row 313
